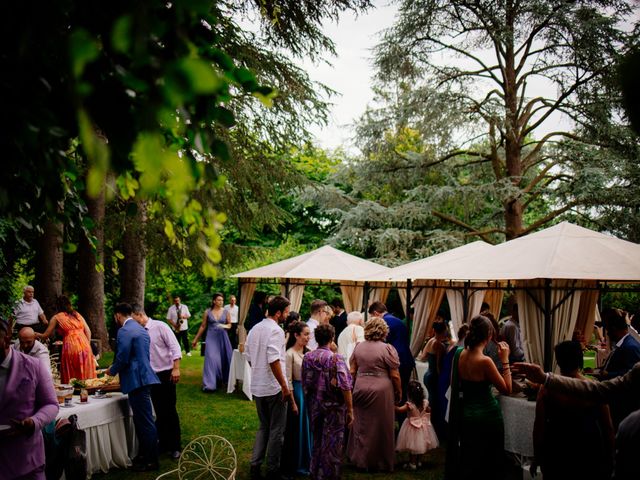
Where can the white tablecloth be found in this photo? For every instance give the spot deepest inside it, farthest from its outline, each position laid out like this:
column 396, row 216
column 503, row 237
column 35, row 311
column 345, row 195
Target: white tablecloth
column 110, row 434
column 240, row 370
column 519, row 415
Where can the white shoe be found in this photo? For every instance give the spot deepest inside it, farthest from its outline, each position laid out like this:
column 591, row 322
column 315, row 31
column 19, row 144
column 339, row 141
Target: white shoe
column 189, row 354
column 410, row 466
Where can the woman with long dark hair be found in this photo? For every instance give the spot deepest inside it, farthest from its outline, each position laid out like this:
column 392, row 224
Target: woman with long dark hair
column 77, row 360
column 476, row 449
column 297, row 436
column 217, row 354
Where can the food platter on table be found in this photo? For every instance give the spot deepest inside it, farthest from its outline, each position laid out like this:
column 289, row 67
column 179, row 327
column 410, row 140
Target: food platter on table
column 106, row 383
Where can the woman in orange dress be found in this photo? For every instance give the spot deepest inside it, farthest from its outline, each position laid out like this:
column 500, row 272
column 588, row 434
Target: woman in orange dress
column 77, row 360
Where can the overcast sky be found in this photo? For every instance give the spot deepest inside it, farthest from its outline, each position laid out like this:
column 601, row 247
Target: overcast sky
column 351, row 71
column 350, row 74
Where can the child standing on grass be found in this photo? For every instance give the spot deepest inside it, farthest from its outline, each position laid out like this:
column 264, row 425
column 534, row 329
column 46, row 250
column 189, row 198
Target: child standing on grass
column 417, row 435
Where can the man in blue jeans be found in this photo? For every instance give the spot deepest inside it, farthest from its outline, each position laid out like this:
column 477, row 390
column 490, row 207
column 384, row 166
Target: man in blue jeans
column 136, row 377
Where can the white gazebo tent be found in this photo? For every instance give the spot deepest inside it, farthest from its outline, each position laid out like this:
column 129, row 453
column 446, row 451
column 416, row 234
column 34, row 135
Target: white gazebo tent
column 426, row 295
column 325, row 264
column 557, row 274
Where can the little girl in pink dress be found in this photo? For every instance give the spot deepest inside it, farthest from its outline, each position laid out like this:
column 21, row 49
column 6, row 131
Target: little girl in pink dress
column 417, row 435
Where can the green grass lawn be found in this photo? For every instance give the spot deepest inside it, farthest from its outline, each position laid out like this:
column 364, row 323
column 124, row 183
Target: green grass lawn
column 234, row 417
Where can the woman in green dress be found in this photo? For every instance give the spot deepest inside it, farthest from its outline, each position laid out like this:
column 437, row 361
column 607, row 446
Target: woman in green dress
column 477, row 430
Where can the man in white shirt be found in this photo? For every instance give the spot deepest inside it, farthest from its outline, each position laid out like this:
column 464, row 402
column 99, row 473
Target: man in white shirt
column 265, row 349
column 28, row 345
column 232, row 308
column 28, row 312
column 351, row 335
column 319, row 316
column 164, row 356
column 177, row 316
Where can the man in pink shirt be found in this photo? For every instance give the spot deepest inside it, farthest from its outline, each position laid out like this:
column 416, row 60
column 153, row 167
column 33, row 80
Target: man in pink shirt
column 27, row 403
column 165, row 355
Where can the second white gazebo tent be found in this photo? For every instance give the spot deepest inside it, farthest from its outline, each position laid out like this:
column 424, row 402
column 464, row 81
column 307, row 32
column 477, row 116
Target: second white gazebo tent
column 325, row 264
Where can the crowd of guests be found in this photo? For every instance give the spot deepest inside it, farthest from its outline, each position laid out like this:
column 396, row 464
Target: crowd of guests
column 335, row 388
column 147, row 361
column 347, row 396
column 321, row 401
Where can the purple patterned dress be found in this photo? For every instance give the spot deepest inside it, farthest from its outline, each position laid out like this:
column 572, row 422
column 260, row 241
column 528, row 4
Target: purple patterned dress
column 327, row 411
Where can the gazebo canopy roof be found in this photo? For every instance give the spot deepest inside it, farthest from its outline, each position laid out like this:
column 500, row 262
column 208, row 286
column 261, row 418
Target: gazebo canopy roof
column 563, row 251
column 325, row 264
column 421, row 269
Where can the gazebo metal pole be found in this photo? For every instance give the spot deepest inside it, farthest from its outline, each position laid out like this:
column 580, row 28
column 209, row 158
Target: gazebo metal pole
column 365, row 301
column 548, row 319
column 409, row 308
column 287, row 284
column 465, row 301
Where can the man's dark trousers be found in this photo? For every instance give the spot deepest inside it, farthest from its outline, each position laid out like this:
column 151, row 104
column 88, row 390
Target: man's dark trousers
column 140, row 402
column 183, row 336
column 163, row 396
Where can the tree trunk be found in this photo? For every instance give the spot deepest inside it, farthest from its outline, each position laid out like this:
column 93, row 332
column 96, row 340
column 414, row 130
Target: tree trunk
column 513, row 144
column 48, row 270
column 132, row 271
column 91, row 273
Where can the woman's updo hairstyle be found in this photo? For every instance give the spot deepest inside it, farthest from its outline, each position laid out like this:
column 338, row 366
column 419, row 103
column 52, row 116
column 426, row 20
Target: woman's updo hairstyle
column 480, row 330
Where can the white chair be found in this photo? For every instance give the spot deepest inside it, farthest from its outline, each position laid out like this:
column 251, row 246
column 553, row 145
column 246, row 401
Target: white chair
column 209, row 456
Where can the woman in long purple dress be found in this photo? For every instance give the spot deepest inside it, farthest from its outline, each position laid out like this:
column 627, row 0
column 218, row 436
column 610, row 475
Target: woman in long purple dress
column 375, row 369
column 326, row 383
column 217, row 353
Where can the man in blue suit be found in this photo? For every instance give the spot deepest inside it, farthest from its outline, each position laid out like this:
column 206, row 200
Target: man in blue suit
column 136, row 377
column 625, row 350
column 398, row 337
column 625, row 353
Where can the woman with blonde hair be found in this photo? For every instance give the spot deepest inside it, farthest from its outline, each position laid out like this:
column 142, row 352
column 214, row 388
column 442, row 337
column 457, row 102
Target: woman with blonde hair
column 374, row 368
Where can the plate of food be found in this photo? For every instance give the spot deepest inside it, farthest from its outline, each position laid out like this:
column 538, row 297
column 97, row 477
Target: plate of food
column 106, row 383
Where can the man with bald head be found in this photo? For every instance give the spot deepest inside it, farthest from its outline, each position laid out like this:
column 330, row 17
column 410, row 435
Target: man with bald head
column 27, row 403
column 27, row 312
column 28, row 345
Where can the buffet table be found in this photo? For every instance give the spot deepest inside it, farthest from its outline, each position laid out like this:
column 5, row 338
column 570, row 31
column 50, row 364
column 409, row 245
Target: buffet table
column 110, row 434
column 240, row 371
column 518, row 414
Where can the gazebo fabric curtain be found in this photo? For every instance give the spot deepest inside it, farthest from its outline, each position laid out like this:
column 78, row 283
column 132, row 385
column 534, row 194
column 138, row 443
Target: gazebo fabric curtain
column 296, row 291
column 476, row 297
column 426, row 305
column 494, row 299
column 352, row 296
column 588, row 310
column 246, row 295
column 456, row 309
column 378, row 292
column 532, row 317
column 402, row 294
column 455, row 299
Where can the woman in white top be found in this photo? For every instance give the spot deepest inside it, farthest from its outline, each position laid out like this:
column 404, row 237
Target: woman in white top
column 297, row 436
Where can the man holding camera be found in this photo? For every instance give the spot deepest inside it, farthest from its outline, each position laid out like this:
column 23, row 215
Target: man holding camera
column 177, row 316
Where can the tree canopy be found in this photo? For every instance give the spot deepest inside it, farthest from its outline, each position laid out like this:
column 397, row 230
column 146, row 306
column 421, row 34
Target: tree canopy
column 488, row 57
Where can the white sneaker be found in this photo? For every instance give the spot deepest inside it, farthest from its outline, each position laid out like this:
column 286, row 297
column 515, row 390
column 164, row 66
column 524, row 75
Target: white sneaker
column 189, row 354
column 410, row 466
